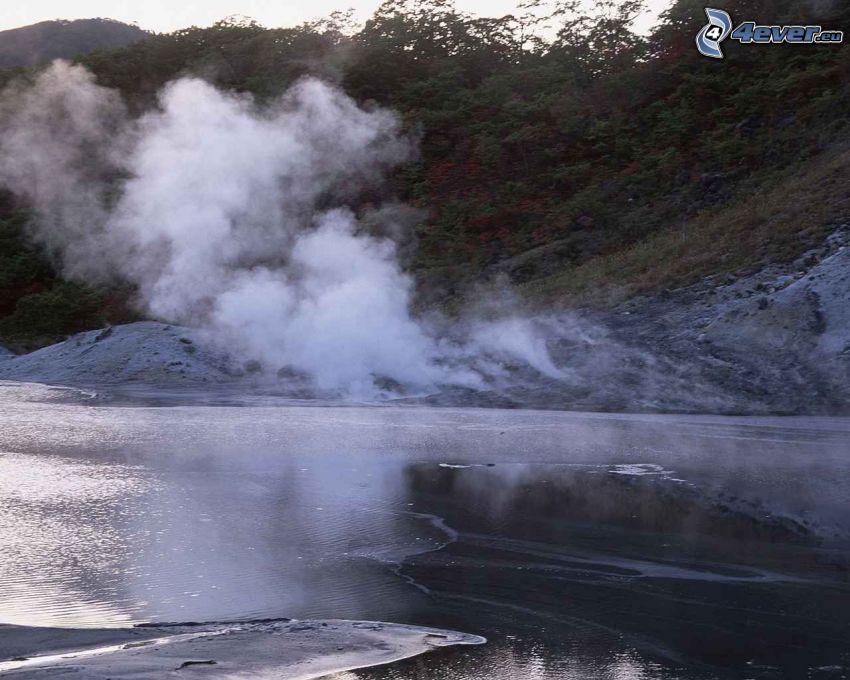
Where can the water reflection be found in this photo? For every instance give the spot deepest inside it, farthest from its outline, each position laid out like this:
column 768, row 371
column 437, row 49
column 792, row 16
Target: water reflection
column 64, row 539
column 90, row 544
column 516, row 659
column 645, row 568
column 582, row 546
column 616, row 513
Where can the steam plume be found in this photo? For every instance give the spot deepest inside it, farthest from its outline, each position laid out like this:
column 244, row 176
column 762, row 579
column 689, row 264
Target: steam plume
column 235, row 217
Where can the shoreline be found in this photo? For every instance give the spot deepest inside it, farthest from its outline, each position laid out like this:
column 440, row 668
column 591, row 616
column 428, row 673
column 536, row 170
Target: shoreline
column 152, row 395
column 295, row 649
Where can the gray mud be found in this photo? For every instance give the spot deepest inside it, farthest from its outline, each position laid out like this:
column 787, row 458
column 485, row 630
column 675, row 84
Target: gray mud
column 292, row 649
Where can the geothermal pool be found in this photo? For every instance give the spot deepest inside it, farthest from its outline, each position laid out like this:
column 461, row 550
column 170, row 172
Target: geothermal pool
column 580, row 545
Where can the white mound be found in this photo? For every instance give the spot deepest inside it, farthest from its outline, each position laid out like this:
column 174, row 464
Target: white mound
column 145, row 352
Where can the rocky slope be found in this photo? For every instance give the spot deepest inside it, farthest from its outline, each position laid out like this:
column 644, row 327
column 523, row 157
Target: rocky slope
column 773, row 341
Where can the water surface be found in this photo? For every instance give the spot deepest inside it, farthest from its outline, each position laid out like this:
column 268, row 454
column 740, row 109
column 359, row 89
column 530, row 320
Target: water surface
column 581, row 545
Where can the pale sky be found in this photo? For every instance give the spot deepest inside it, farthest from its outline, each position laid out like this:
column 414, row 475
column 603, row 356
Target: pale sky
column 168, row 15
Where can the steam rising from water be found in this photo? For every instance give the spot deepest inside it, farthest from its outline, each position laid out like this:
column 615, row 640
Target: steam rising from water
column 235, row 218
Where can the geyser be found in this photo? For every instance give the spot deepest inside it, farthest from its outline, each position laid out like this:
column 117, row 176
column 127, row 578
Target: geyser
column 239, row 218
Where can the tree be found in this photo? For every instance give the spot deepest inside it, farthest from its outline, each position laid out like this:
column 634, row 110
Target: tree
column 599, row 42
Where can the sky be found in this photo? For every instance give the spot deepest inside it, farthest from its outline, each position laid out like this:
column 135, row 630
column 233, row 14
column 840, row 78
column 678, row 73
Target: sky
column 169, row 15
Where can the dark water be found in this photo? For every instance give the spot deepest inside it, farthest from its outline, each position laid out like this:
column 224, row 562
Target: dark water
column 581, row 545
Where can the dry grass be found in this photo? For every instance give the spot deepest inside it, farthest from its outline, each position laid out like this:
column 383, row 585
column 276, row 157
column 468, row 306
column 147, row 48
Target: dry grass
column 794, row 213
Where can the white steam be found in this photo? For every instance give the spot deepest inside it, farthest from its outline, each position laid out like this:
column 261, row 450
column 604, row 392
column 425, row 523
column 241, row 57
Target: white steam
column 232, row 217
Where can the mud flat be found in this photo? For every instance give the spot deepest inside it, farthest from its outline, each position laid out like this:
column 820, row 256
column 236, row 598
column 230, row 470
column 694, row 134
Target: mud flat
column 284, row 649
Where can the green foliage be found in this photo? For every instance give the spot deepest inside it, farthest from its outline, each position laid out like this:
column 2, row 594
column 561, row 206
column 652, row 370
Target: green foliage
column 235, row 54
column 539, row 160
column 49, row 314
column 21, row 268
column 613, row 135
column 36, row 306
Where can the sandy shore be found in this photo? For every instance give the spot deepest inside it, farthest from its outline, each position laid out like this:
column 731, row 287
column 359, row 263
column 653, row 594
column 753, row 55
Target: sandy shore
column 297, row 650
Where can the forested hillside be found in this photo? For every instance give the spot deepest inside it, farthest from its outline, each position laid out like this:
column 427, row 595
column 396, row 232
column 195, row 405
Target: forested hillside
column 580, row 162
column 36, row 44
